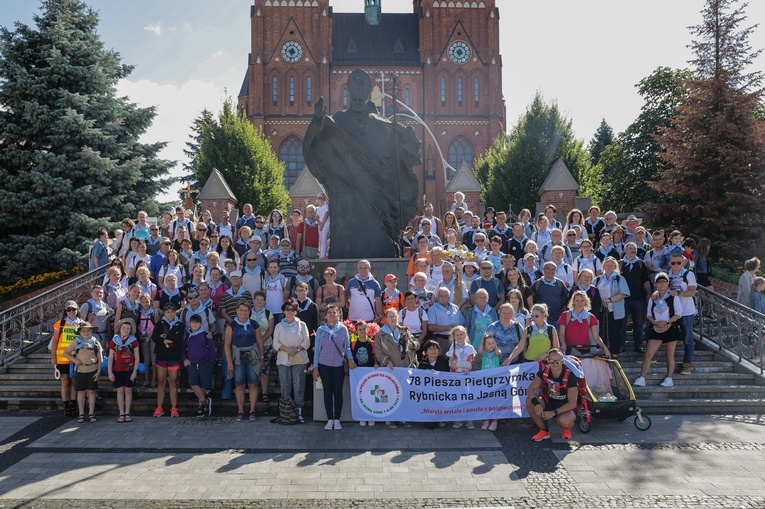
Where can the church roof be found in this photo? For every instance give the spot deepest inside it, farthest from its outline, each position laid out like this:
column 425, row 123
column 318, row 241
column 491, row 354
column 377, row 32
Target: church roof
column 245, row 90
column 395, row 41
column 559, row 179
column 463, row 180
column 216, row 188
column 305, row 185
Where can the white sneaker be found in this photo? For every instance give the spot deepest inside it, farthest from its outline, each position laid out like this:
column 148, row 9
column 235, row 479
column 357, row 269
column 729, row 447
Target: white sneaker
column 362, row 423
column 370, row 423
column 667, row 382
column 330, row 425
column 457, row 424
column 470, row 425
column 337, row 424
column 640, row 382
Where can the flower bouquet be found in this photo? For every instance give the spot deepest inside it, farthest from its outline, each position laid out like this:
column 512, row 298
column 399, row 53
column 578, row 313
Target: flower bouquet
column 458, row 254
column 372, row 329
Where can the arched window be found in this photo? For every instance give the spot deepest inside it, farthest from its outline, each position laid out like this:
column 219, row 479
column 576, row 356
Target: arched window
column 407, row 97
column 459, row 91
column 443, row 91
column 308, row 90
column 291, row 154
column 476, row 90
column 459, row 151
column 292, row 90
column 345, row 98
column 274, row 90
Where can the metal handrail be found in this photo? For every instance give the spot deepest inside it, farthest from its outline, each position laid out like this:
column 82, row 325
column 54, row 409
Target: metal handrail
column 734, row 327
column 26, row 325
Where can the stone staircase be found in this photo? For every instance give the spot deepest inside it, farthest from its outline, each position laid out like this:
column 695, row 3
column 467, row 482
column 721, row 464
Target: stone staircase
column 717, row 386
column 29, row 385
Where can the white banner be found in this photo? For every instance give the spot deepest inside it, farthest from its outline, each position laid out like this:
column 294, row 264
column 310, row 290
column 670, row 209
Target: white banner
column 421, row 395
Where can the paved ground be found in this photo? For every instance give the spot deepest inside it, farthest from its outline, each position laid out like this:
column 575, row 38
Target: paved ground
column 682, row 461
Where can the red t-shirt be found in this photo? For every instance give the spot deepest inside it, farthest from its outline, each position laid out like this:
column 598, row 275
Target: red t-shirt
column 577, row 333
column 310, row 235
column 123, row 357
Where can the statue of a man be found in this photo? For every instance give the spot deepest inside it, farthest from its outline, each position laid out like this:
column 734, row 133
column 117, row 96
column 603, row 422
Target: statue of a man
column 364, row 163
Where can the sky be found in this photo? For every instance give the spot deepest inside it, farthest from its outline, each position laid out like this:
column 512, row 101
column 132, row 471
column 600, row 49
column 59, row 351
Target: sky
column 587, row 55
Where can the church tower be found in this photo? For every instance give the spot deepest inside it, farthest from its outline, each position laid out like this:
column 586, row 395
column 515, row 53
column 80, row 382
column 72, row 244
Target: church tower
column 462, row 74
column 288, row 70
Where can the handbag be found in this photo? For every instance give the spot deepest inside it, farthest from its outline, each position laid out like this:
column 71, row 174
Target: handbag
column 299, row 358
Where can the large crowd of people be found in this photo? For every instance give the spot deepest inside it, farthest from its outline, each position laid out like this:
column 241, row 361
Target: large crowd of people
column 191, row 294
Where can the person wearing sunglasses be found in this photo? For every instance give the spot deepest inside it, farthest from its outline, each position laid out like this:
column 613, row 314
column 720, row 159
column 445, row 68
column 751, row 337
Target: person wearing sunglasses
column 64, row 332
column 288, row 259
column 276, row 224
column 480, row 252
column 304, row 276
column 552, row 395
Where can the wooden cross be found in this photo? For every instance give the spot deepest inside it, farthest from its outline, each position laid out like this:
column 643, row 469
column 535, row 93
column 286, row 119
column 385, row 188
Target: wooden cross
column 188, row 203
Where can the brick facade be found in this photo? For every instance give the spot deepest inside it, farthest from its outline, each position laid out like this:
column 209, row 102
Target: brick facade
column 562, row 203
column 275, row 93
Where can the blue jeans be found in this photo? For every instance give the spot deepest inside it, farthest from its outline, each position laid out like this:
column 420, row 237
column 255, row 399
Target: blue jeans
column 686, row 325
column 332, row 378
column 635, row 308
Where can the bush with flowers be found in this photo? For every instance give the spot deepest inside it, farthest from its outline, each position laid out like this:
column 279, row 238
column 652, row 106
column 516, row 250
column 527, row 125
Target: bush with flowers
column 33, row 283
column 372, row 329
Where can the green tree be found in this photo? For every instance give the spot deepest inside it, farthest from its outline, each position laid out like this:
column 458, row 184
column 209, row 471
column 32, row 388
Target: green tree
column 244, row 156
column 70, row 159
column 203, row 120
column 513, row 170
column 634, row 158
column 716, row 143
column 604, row 136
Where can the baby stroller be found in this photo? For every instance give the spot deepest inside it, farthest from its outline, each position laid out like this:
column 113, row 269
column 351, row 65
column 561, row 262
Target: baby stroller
column 608, row 395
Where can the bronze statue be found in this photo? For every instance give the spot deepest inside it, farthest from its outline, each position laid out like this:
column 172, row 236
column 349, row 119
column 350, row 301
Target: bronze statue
column 365, row 163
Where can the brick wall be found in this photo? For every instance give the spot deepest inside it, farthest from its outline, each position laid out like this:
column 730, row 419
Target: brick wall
column 218, row 208
column 730, row 290
column 564, row 204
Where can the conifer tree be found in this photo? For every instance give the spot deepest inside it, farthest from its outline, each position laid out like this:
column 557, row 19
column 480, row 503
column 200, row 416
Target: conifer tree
column 716, row 144
column 70, row 159
column 604, row 136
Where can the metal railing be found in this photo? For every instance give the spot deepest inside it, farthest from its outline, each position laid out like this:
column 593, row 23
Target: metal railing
column 26, row 325
column 732, row 326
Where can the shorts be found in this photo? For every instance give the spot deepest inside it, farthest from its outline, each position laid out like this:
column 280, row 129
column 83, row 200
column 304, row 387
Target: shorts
column 246, row 372
column 200, row 374
column 85, row 382
column 63, row 369
column 554, row 404
column 672, row 334
column 122, row 379
column 169, row 365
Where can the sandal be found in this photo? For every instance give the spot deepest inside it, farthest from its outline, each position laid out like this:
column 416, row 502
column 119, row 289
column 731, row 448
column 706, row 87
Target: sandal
column 301, row 419
column 121, row 418
column 265, row 398
column 81, row 418
column 128, row 418
column 92, row 418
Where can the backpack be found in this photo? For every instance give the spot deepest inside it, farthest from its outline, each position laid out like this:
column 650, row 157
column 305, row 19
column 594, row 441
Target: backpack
column 123, row 355
column 530, row 331
column 670, row 304
column 419, row 314
column 288, row 414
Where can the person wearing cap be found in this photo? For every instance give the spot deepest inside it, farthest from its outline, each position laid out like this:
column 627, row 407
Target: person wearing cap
column 426, row 231
column 255, row 248
column 630, row 227
column 529, row 270
column 392, row 298
column 322, row 217
column 64, row 332
column 231, row 297
column 287, row 258
column 123, row 365
column 329, row 293
column 643, row 242
column 272, row 252
column 304, row 276
column 87, row 355
column 168, row 338
column 99, row 253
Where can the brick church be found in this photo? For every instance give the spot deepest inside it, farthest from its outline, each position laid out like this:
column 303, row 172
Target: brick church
column 446, row 56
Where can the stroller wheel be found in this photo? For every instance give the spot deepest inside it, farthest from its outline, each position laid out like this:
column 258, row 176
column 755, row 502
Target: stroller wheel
column 584, row 425
column 642, row 422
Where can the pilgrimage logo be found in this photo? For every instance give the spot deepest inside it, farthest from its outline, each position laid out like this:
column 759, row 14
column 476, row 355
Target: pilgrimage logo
column 379, row 393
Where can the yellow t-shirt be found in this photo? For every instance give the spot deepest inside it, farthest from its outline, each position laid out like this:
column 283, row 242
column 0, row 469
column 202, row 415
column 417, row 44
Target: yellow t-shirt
column 68, row 333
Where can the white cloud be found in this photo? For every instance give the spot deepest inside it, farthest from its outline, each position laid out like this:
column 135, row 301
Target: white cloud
column 176, row 108
column 155, row 28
